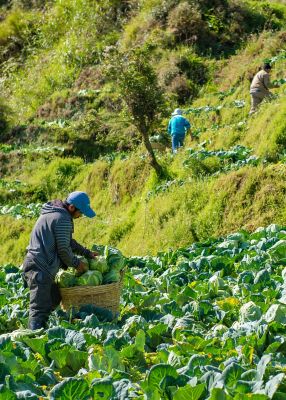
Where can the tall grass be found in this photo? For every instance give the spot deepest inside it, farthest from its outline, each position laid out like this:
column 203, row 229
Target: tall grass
column 141, row 224
column 135, row 211
column 70, row 35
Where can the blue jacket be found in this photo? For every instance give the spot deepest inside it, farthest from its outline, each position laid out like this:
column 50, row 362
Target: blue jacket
column 178, row 125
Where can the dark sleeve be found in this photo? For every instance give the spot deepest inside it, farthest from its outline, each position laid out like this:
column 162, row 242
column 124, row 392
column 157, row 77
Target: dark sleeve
column 79, row 249
column 63, row 232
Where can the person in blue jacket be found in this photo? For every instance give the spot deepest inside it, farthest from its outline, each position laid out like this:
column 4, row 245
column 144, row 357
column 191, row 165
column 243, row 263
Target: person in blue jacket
column 177, row 128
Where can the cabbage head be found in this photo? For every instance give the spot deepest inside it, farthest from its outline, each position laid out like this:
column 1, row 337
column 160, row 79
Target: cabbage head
column 215, row 283
column 246, row 277
column 111, row 276
column 115, row 259
column 99, row 263
column 262, row 277
column 250, row 312
column 278, row 252
column 276, row 312
column 113, row 256
column 217, row 331
column 65, row 279
column 90, row 278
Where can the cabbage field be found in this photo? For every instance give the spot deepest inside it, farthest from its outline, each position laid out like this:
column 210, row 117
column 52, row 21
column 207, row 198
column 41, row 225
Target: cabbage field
column 203, row 322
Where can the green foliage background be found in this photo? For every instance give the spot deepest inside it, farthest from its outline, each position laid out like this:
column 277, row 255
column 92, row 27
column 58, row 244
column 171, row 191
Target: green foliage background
column 64, row 125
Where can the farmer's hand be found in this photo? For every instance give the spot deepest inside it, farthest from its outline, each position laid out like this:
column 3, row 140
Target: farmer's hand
column 81, row 269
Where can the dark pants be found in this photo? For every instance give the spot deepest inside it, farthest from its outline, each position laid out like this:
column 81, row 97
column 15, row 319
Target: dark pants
column 44, row 294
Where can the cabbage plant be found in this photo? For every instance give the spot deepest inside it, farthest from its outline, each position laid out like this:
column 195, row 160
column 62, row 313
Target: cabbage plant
column 90, row 278
column 65, row 279
column 99, row 263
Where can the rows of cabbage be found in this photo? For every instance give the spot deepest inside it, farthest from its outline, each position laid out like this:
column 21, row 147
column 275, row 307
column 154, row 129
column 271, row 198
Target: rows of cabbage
column 226, row 160
column 19, row 211
column 204, row 322
column 22, row 150
column 202, row 162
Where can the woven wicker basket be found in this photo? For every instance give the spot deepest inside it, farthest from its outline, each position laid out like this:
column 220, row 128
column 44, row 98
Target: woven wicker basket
column 105, row 296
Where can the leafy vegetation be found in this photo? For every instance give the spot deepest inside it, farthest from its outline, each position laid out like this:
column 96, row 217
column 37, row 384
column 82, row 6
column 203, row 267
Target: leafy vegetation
column 203, row 321
column 87, row 89
column 20, row 210
column 104, row 269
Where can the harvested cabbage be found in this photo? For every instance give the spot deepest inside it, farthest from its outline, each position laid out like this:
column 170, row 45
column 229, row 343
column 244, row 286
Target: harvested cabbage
column 90, row 278
column 65, row 279
column 116, row 261
column 114, row 257
column 111, row 276
column 99, row 263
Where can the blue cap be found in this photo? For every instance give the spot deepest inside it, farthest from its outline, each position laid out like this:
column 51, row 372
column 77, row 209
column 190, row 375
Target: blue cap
column 81, row 201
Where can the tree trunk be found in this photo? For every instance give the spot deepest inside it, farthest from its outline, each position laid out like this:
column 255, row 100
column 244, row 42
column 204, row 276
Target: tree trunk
column 153, row 161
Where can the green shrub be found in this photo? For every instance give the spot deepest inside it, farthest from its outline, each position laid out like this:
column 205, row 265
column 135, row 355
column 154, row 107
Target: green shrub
column 18, row 34
column 213, row 164
column 181, row 73
column 161, row 9
column 207, row 4
column 28, row 4
column 183, row 88
column 97, row 178
column 193, row 66
column 280, row 141
column 185, row 22
column 167, row 69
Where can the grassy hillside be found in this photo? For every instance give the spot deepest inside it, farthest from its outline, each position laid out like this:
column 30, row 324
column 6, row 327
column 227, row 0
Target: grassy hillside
column 65, row 125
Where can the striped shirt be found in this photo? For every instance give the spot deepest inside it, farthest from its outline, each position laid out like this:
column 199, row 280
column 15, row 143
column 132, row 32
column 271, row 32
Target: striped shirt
column 51, row 244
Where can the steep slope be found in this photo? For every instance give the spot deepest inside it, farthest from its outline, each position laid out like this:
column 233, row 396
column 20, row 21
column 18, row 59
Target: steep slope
column 69, row 131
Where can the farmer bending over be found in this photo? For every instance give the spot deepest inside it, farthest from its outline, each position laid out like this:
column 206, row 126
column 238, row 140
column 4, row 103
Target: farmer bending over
column 52, row 247
column 260, row 86
column 177, row 128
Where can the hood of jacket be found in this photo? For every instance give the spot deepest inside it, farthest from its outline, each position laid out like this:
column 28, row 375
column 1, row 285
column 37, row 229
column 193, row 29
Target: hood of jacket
column 54, row 206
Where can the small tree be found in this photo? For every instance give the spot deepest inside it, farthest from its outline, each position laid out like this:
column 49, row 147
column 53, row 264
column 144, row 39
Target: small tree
column 142, row 95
